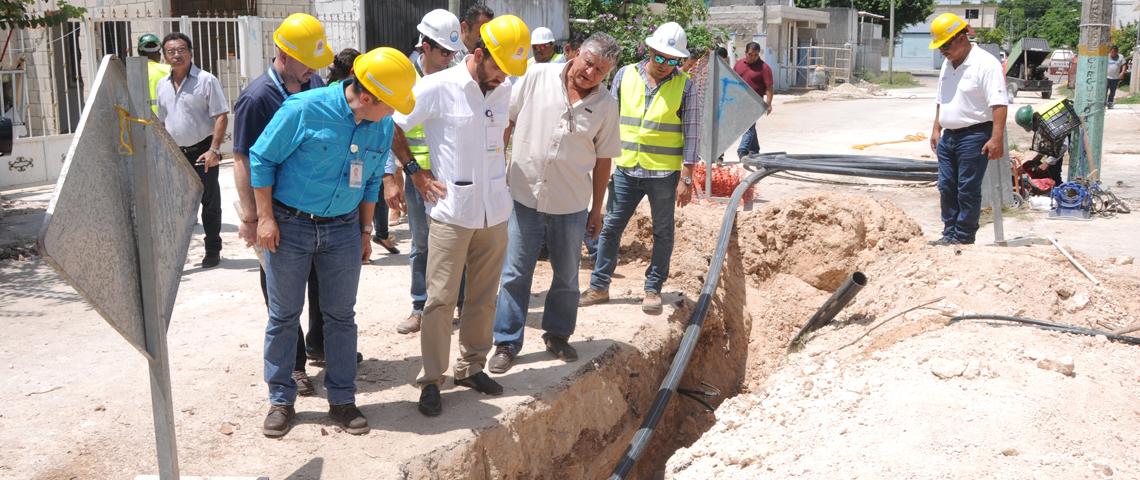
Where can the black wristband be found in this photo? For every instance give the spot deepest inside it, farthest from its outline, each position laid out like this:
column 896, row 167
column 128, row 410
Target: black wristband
column 411, row 167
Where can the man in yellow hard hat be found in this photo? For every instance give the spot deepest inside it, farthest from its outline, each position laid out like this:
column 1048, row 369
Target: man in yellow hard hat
column 464, row 111
column 969, row 126
column 301, row 51
column 660, row 121
column 316, row 172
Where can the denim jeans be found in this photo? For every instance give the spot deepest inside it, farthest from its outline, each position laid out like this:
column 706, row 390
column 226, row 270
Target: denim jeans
column 592, row 243
column 333, row 248
column 316, row 336
column 1110, row 89
column 380, row 216
column 627, row 193
column 418, row 225
column 961, row 168
column 749, row 143
column 526, row 231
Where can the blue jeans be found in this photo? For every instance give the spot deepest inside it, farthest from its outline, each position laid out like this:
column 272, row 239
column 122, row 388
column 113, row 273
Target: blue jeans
column 418, row 225
column 592, row 243
column 333, row 248
column 380, row 217
column 749, row 143
column 526, row 232
column 627, row 193
column 961, row 167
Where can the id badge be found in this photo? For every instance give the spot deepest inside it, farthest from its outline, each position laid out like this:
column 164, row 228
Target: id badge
column 494, row 140
column 356, row 174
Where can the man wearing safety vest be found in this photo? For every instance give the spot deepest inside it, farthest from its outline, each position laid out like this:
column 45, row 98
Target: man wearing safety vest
column 969, row 126
column 659, row 119
column 542, row 44
column 301, row 50
column 150, row 48
column 440, row 40
column 465, row 111
column 316, row 170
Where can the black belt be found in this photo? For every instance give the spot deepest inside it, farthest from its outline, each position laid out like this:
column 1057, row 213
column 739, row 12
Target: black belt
column 984, row 126
column 302, row 214
column 203, row 145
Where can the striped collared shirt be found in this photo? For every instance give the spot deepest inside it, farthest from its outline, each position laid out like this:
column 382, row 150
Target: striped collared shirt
column 689, row 113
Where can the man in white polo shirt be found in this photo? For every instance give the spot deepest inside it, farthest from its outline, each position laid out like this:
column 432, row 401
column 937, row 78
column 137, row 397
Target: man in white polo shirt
column 464, row 112
column 969, row 126
column 566, row 132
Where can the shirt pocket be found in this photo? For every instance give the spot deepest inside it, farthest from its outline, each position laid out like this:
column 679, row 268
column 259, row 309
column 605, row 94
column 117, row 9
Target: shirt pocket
column 453, row 132
column 323, row 142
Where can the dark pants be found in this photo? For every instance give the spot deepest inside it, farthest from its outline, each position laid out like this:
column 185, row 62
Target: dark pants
column 316, row 337
column 380, row 217
column 961, row 168
column 1111, row 98
column 211, row 194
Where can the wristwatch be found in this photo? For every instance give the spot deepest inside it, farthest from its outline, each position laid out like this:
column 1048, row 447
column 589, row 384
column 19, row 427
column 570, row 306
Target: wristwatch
column 366, row 229
column 216, row 152
column 687, row 180
column 411, row 167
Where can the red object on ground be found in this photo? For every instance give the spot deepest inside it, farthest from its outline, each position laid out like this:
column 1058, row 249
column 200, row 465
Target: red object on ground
column 725, row 178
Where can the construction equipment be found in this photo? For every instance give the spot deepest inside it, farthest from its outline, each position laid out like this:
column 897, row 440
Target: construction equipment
column 1026, row 68
column 1071, row 201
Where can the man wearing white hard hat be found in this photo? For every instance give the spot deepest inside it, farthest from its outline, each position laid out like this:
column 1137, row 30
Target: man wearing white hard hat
column 542, row 44
column 659, row 119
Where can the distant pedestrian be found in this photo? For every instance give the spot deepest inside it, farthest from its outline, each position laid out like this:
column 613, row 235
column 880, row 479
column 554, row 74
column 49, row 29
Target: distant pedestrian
column 969, row 126
column 316, row 171
column 660, row 123
column 193, row 107
column 542, row 45
column 557, row 179
column 1116, row 70
column 151, row 48
column 758, row 75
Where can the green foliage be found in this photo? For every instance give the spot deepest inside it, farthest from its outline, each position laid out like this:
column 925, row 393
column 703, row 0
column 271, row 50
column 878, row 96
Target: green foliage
column 907, row 12
column 1125, row 39
column 21, row 14
column 990, row 35
column 630, row 22
column 1057, row 21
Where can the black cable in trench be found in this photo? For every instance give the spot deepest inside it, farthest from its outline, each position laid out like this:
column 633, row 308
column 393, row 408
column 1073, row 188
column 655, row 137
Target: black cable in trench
column 1049, row 326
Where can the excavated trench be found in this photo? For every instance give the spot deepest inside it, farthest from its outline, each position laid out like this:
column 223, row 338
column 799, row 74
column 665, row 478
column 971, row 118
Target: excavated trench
column 798, row 250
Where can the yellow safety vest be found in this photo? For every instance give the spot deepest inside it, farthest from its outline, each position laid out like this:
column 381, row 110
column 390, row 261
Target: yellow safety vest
column 651, row 136
column 417, row 140
column 155, row 72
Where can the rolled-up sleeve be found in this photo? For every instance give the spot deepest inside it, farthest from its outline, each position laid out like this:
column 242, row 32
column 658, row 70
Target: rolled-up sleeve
column 276, row 143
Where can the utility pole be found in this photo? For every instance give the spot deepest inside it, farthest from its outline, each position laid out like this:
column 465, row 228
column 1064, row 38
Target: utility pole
column 1092, row 64
column 891, row 48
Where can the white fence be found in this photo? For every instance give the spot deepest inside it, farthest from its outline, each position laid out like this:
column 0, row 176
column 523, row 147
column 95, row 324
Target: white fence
column 45, row 73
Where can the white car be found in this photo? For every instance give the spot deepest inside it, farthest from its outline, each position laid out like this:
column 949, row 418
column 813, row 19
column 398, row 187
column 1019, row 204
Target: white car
column 1059, row 62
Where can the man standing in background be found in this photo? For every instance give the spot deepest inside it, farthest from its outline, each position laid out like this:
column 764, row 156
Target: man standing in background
column 151, row 48
column 758, row 75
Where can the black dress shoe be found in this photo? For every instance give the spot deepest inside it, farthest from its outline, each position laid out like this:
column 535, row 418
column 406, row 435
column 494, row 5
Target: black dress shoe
column 561, row 348
column 481, row 383
column 430, row 403
column 211, row 259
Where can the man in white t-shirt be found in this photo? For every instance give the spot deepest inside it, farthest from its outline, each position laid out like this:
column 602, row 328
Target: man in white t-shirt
column 1114, row 73
column 969, row 126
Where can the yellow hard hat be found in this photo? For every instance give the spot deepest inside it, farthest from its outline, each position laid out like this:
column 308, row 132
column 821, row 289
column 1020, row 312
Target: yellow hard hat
column 388, row 75
column 508, row 41
column 302, row 37
column 944, row 27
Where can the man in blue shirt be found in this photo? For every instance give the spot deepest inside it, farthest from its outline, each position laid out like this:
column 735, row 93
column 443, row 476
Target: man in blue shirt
column 316, row 173
column 293, row 70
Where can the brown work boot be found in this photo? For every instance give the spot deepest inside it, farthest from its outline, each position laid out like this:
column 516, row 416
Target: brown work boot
column 410, row 324
column 278, row 420
column 593, row 297
column 304, row 384
column 349, row 418
column 651, row 304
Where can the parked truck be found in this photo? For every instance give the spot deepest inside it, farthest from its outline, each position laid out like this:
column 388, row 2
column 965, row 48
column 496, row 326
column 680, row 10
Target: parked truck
column 1027, row 66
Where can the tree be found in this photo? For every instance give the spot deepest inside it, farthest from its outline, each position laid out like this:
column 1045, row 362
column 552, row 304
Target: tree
column 907, row 12
column 630, row 22
column 1125, row 39
column 1057, row 21
column 22, row 14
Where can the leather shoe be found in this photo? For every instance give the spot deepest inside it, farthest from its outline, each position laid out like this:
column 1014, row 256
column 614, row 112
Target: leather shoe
column 481, row 383
column 211, row 259
column 349, row 418
column 277, row 422
column 561, row 348
column 502, row 360
column 430, row 402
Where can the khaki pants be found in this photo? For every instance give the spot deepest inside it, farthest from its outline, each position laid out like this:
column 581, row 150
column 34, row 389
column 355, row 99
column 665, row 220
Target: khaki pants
column 451, row 247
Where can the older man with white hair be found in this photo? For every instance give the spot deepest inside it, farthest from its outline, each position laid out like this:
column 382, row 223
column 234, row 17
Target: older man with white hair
column 567, row 133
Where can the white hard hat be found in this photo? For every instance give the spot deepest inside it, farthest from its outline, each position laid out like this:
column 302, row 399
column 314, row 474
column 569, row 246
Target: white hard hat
column 669, row 39
column 442, row 27
column 541, row 35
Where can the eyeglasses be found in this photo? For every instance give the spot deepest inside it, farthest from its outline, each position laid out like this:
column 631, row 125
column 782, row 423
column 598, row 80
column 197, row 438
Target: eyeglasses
column 442, row 51
column 672, row 62
column 178, row 50
column 946, row 46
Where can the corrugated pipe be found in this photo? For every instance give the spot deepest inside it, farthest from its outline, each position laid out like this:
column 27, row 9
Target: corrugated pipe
column 836, row 303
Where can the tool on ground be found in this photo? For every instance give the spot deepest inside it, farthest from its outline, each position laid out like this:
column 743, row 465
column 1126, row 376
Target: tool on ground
column 1074, row 261
column 918, row 137
column 829, row 309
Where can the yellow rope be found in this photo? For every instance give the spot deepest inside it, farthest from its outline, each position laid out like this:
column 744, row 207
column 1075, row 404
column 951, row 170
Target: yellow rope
column 918, row 137
column 125, row 132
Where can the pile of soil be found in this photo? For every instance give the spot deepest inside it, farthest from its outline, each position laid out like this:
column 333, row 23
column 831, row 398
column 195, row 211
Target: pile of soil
column 846, row 91
column 914, row 397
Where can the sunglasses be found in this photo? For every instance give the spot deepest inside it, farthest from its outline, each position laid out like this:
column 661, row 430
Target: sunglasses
column 672, row 62
column 949, row 43
column 442, row 51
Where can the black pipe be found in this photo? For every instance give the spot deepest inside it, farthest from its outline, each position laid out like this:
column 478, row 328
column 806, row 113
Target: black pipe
column 836, row 303
column 1049, row 326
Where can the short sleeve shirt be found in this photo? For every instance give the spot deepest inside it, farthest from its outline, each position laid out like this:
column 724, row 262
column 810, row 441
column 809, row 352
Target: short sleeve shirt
column 188, row 112
column 967, row 94
column 556, row 144
column 758, row 75
column 256, row 106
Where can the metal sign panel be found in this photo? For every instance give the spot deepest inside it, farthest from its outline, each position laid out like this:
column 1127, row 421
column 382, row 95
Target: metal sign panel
column 89, row 233
column 734, row 107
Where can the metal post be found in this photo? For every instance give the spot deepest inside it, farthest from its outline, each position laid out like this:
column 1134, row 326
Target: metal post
column 891, row 48
column 154, row 325
column 708, row 116
column 453, row 6
column 1092, row 64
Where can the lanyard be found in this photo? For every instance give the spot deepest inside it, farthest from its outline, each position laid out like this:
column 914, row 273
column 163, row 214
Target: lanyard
column 277, row 82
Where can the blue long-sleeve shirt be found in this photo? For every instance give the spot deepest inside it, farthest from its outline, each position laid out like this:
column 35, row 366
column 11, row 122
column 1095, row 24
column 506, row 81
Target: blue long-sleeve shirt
column 307, row 151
